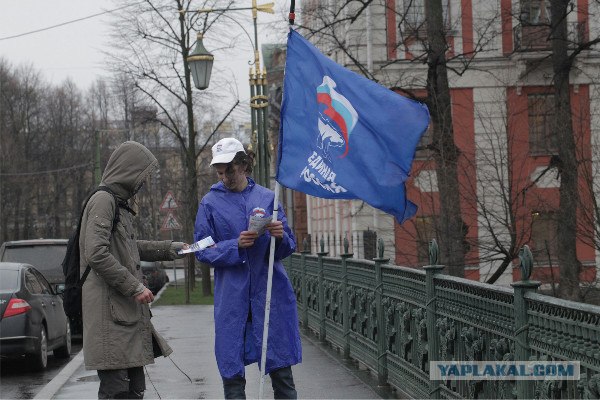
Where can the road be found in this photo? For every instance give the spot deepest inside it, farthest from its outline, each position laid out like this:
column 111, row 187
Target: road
column 18, row 382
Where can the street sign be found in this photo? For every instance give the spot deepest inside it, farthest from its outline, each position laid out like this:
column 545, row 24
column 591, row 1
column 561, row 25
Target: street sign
column 170, row 223
column 169, row 202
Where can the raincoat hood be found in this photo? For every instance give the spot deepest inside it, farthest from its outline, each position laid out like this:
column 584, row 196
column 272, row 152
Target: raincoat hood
column 127, row 168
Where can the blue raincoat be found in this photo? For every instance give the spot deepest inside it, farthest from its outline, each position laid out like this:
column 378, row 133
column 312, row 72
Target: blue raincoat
column 241, row 282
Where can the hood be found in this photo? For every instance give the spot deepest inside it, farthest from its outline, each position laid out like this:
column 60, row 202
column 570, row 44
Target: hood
column 128, row 166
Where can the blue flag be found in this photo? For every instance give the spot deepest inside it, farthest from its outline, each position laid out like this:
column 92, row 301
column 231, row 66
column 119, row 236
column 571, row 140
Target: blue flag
column 343, row 136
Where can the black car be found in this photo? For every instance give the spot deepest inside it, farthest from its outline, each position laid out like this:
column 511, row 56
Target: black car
column 32, row 318
column 46, row 255
column 155, row 276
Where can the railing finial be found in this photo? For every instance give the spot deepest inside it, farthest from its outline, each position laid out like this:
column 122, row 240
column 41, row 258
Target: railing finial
column 526, row 262
column 434, row 252
column 346, row 245
column 322, row 243
column 380, row 247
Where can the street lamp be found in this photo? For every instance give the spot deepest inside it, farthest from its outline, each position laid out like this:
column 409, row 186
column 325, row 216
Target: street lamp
column 201, row 62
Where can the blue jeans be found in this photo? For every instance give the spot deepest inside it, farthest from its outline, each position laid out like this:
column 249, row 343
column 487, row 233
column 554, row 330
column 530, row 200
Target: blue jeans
column 282, row 381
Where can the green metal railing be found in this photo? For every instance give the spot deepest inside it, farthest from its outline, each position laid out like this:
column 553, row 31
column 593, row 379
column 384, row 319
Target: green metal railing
column 394, row 320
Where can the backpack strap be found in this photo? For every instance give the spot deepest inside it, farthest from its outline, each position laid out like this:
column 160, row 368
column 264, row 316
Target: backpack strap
column 117, row 204
column 114, row 223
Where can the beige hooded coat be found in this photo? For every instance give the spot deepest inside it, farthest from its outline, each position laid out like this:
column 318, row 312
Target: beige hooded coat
column 117, row 332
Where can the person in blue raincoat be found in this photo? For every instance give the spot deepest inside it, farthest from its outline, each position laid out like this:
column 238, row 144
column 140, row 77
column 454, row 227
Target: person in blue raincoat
column 240, row 259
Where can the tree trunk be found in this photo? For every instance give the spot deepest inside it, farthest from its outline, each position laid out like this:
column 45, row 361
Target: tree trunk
column 569, row 266
column 451, row 230
column 190, row 158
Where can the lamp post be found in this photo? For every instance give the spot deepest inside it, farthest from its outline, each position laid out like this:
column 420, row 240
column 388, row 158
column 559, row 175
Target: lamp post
column 201, row 61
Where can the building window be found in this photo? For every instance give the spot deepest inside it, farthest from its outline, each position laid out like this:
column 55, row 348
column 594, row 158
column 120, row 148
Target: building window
column 535, row 12
column 425, row 227
column 541, row 110
column 543, row 237
column 414, row 16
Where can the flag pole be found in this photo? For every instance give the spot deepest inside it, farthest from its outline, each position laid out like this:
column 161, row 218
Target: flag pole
column 265, row 339
column 263, row 358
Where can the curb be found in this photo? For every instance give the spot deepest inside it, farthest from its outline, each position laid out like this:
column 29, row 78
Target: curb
column 63, row 376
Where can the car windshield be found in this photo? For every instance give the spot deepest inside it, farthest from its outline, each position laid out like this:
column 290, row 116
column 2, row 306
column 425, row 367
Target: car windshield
column 9, row 280
column 45, row 258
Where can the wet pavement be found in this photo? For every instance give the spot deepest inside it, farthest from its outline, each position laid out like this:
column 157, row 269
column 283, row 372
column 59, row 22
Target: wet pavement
column 19, row 381
column 191, row 371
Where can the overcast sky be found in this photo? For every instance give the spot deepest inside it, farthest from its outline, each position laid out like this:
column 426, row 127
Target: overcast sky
column 74, row 50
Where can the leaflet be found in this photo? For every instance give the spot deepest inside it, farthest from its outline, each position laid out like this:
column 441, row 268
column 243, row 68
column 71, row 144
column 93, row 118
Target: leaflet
column 258, row 220
column 199, row 245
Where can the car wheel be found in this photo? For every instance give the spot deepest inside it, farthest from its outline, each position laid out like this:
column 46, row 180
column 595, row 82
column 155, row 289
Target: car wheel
column 64, row 351
column 39, row 360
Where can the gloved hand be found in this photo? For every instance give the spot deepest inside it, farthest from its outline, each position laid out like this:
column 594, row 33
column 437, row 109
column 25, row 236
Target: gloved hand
column 175, row 247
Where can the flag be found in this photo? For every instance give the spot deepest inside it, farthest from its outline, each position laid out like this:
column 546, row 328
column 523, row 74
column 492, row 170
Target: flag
column 343, row 136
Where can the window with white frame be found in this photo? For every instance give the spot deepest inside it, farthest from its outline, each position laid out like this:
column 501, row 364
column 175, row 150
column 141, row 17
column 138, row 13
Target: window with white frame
column 536, row 12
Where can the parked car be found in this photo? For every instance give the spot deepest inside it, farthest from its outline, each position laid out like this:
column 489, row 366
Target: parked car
column 32, row 318
column 155, row 276
column 46, row 255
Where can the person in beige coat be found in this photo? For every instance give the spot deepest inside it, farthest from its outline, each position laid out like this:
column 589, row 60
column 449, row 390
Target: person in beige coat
column 118, row 337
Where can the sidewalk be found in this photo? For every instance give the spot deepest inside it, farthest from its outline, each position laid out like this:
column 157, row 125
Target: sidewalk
column 189, row 330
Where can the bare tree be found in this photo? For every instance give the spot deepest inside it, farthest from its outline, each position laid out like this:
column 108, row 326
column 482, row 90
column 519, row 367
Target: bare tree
column 152, row 42
column 566, row 49
column 42, row 131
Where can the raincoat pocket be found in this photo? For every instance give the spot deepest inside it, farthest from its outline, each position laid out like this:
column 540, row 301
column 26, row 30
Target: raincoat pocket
column 124, row 310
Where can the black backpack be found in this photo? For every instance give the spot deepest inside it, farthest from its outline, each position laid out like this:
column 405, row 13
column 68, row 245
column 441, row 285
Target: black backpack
column 70, row 265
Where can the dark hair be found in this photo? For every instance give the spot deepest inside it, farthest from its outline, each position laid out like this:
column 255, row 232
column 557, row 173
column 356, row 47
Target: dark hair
column 246, row 159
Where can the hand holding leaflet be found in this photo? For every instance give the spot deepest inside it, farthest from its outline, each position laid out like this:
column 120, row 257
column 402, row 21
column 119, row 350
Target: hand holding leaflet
column 199, row 245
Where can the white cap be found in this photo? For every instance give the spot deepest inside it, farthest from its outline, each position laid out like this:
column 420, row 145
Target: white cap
column 225, row 150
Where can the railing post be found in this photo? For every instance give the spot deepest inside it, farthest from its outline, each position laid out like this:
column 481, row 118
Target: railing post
column 304, row 288
column 525, row 388
column 433, row 341
column 345, row 300
column 382, row 369
column 321, row 254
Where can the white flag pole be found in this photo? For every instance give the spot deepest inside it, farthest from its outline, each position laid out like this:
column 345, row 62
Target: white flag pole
column 265, row 338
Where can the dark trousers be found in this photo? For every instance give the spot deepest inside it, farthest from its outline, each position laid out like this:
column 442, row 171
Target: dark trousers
column 281, row 380
column 127, row 383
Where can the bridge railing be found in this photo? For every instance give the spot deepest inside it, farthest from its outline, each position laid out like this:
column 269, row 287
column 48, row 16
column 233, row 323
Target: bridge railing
column 394, row 320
